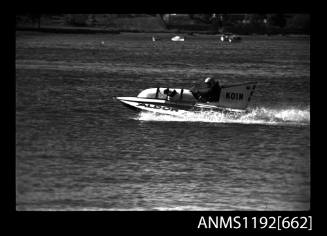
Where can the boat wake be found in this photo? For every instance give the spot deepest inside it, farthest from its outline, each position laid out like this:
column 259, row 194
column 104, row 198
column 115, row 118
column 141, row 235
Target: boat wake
column 258, row 115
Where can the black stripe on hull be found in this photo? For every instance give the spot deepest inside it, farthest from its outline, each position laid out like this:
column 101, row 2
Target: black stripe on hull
column 185, row 107
column 131, row 107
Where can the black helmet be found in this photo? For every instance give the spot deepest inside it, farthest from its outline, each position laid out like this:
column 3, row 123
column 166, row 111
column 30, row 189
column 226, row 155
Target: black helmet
column 209, row 80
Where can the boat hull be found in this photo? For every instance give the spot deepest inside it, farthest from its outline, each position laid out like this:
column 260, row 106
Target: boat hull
column 170, row 107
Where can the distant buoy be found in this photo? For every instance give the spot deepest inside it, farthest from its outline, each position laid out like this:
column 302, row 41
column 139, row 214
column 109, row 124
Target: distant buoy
column 102, row 43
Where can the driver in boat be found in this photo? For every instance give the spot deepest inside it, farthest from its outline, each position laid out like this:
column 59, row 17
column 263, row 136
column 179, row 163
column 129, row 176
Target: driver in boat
column 170, row 94
column 209, row 94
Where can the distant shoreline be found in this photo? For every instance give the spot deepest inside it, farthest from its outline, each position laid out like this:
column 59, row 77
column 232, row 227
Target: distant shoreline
column 73, row 30
column 93, row 30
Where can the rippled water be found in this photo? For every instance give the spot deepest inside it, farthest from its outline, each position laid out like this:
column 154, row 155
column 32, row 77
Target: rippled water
column 78, row 149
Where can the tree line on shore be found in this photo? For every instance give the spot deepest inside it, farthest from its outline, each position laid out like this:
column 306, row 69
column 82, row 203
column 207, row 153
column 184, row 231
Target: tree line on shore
column 279, row 23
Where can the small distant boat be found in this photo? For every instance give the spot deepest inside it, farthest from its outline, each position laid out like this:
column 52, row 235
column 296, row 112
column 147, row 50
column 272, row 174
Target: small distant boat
column 177, row 38
column 230, row 38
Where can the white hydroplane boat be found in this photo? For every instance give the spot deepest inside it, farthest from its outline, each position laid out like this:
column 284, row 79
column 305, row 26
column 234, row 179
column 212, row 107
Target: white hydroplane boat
column 176, row 101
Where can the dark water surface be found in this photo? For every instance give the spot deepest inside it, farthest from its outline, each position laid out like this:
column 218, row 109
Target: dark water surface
column 78, row 149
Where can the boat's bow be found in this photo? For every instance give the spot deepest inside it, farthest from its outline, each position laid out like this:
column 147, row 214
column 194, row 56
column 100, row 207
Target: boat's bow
column 155, row 105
